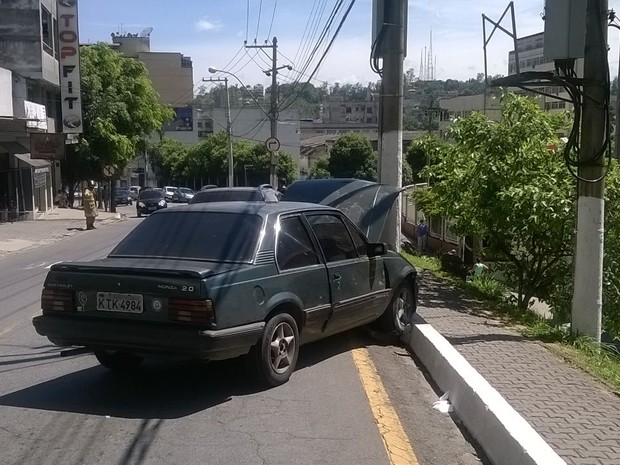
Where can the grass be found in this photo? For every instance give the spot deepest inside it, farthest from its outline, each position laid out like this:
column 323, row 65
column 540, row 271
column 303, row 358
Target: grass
column 599, row 360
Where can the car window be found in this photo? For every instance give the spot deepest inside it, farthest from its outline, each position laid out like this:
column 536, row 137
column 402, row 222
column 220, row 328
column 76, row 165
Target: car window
column 358, row 238
column 218, row 236
column 333, row 237
column 226, row 196
column 151, row 194
column 294, row 247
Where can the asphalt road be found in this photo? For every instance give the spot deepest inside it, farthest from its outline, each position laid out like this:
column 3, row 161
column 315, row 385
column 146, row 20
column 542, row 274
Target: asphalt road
column 345, row 404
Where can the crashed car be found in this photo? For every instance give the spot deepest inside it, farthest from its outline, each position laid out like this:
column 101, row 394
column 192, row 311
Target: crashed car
column 240, row 278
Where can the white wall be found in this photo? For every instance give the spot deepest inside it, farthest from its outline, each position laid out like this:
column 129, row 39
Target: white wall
column 6, row 96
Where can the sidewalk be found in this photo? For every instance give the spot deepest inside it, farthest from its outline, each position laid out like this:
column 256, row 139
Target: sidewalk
column 50, row 227
column 577, row 416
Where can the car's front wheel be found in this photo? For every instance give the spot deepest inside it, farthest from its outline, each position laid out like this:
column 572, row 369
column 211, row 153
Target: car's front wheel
column 119, row 361
column 400, row 310
column 275, row 356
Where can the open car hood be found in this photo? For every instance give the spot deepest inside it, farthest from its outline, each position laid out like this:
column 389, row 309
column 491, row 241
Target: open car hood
column 366, row 203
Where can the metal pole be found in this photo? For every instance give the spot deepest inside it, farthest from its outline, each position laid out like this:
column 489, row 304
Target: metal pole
column 273, row 179
column 587, row 294
column 391, row 156
column 231, row 162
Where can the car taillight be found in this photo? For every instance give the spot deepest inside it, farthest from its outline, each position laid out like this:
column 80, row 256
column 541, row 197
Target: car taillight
column 190, row 311
column 57, row 300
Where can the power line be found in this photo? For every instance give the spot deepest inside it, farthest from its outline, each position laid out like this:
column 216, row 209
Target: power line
column 273, row 15
column 260, row 10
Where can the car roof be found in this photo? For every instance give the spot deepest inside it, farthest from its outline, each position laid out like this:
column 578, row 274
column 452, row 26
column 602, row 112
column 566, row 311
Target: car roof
column 256, row 208
column 229, row 189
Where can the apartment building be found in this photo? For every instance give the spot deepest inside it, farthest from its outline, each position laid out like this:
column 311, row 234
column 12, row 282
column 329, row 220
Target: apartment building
column 30, row 103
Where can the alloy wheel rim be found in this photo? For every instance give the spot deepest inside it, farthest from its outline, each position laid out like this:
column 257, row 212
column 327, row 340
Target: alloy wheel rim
column 403, row 307
column 282, row 348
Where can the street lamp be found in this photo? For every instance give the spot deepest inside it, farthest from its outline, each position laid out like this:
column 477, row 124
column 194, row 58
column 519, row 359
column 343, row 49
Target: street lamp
column 231, row 168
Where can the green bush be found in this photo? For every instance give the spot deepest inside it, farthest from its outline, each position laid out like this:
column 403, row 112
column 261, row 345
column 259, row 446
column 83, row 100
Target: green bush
column 488, row 287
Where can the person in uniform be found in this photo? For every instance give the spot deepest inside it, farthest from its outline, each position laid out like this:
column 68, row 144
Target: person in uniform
column 90, row 206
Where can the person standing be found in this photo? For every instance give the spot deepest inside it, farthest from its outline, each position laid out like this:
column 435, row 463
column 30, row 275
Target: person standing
column 90, row 206
column 422, row 235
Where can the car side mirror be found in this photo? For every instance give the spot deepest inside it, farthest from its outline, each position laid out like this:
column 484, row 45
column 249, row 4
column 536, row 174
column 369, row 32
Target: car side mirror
column 375, row 249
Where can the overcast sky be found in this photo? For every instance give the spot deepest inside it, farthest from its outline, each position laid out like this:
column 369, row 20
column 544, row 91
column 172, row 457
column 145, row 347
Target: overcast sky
column 212, row 32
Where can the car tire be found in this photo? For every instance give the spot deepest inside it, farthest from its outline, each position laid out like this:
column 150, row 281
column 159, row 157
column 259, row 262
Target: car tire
column 400, row 310
column 274, row 358
column 122, row 362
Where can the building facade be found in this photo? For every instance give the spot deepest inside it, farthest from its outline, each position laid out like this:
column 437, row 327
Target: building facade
column 172, row 76
column 29, row 103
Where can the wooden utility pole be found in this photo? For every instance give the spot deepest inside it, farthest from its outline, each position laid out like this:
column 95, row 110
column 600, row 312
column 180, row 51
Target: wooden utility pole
column 390, row 167
column 588, row 284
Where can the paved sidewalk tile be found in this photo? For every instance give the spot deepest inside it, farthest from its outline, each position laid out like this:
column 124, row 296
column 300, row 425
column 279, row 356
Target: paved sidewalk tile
column 577, row 416
column 49, row 228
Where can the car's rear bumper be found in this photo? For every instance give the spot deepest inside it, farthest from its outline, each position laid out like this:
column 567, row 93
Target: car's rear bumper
column 166, row 339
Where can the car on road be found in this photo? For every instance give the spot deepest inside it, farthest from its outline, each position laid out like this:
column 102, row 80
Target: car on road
column 169, row 192
column 122, row 196
column 220, row 280
column 236, row 194
column 149, row 201
column 183, row 195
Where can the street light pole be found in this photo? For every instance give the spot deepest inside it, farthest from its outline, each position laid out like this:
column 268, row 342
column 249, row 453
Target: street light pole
column 231, row 161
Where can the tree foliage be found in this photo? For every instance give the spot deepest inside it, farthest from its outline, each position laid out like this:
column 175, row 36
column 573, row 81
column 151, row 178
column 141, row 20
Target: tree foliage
column 320, row 169
column 120, row 109
column 501, row 181
column 352, row 156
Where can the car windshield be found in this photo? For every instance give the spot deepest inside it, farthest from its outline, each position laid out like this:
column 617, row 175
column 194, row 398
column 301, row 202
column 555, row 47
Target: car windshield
column 214, row 236
column 122, row 191
column 226, row 196
column 151, row 194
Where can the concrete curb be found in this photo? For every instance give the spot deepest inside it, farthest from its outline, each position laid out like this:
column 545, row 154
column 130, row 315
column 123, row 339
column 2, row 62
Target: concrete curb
column 503, row 434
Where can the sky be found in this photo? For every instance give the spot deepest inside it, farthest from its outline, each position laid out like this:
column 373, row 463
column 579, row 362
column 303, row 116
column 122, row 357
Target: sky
column 212, row 33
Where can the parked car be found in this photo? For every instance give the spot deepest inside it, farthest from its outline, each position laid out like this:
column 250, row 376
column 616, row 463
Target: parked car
column 134, row 191
column 235, row 194
column 183, row 195
column 149, row 201
column 220, row 280
column 122, row 196
column 169, row 192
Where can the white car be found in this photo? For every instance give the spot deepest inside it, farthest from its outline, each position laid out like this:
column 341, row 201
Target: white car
column 169, row 191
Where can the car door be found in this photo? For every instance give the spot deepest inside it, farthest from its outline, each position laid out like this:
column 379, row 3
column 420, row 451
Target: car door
column 348, row 273
column 303, row 274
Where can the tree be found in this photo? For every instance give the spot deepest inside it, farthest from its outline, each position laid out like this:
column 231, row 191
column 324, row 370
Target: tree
column 170, row 156
column 120, row 107
column 502, row 181
column 420, row 152
column 320, row 169
column 352, row 156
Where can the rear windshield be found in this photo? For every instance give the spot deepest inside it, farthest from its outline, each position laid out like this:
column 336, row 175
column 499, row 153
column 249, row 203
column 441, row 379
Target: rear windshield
column 226, row 196
column 151, row 194
column 217, row 236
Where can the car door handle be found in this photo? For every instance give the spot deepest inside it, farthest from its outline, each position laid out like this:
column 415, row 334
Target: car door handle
column 337, row 277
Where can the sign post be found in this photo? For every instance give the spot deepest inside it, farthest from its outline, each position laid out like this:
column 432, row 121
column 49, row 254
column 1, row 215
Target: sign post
column 69, row 67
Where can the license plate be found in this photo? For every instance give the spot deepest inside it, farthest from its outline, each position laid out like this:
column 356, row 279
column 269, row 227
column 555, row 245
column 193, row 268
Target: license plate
column 152, row 208
column 115, row 302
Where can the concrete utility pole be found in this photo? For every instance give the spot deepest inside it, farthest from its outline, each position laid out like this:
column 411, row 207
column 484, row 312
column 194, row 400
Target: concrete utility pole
column 390, row 167
column 231, row 161
column 587, row 296
column 273, row 110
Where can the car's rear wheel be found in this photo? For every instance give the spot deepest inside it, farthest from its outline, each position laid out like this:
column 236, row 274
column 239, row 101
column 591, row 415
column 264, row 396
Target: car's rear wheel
column 115, row 360
column 400, row 310
column 275, row 356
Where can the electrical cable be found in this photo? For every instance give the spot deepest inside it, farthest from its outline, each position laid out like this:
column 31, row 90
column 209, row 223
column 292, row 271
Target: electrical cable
column 273, row 15
column 260, row 10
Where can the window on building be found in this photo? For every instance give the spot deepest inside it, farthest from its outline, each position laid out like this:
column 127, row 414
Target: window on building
column 47, row 31
column 199, row 124
column 56, row 47
column 348, row 110
column 369, row 120
column 186, row 62
column 368, row 109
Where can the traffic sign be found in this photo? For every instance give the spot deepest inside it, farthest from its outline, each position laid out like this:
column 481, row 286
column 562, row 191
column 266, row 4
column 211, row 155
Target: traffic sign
column 272, row 144
column 108, row 171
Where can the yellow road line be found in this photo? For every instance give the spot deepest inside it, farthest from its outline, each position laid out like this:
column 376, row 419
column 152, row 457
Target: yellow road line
column 394, row 438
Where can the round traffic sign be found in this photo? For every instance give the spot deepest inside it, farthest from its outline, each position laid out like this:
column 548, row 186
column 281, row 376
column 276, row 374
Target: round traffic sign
column 272, row 144
column 108, row 171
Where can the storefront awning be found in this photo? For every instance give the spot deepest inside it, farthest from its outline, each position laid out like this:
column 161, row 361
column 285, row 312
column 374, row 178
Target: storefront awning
column 25, row 157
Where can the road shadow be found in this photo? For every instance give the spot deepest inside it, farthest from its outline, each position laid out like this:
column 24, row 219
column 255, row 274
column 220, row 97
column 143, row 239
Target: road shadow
column 76, row 229
column 161, row 389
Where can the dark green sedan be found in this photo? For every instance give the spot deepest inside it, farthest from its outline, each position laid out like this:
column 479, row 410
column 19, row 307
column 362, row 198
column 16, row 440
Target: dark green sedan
column 238, row 278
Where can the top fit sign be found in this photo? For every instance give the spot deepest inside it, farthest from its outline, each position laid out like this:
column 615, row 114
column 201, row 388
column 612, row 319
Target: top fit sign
column 69, row 67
